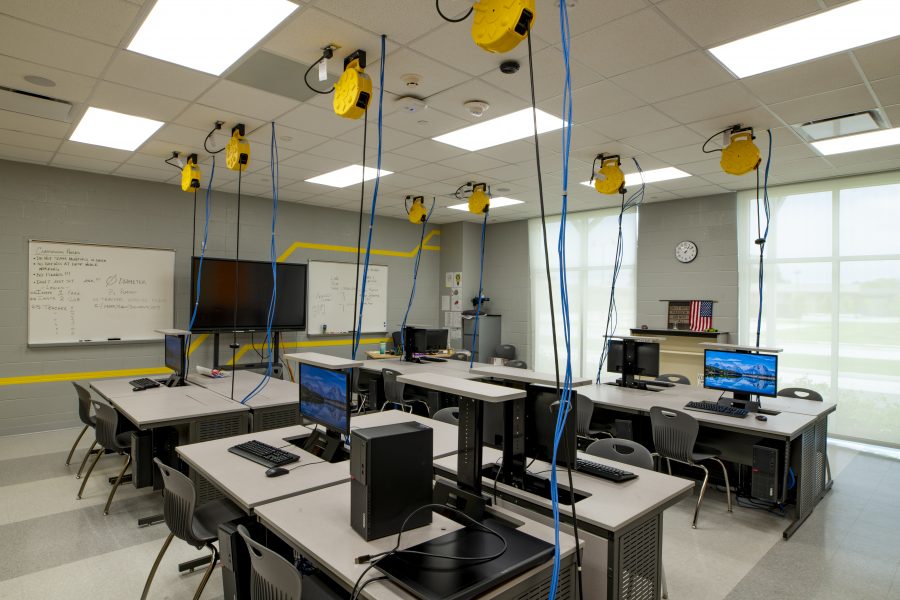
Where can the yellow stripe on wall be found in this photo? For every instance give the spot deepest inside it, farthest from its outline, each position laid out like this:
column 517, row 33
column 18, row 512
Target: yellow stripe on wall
column 354, row 250
column 306, row 344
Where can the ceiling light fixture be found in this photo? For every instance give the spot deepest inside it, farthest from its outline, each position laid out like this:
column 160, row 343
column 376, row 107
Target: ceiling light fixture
column 348, row 176
column 508, row 128
column 654, row 176
column 861, row 141
column 212, row 35
column 498, row 202
column 114, row 130
column 849, row 26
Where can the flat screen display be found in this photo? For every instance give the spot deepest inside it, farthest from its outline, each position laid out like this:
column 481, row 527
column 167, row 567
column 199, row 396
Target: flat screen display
column 175, row 353
column 741, row 373
column 254, row 289
column 325, row 397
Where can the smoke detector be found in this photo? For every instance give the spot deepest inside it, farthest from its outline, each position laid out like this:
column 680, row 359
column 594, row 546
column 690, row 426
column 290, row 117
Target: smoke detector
column 411, row 80
column 411, row 104
column 476, row 108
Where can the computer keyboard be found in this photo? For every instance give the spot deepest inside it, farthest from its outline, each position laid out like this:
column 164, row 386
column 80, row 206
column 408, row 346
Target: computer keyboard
column 264, row 454
column 716, row 408
column 433, row 359
column 144, row 383
column 667, row 384
column 603, row 471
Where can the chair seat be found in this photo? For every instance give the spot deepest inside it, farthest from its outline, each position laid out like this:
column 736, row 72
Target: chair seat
column 702, row 452
column 123, row 441
column 93, row 421
column 208, row 517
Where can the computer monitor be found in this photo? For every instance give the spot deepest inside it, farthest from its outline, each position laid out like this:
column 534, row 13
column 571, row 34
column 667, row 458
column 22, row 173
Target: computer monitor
column 325, row 398
column 436, row 340
column 415, row 341
column 744, row 374
column 632, row 357
column 176, row 356
column 541, row 410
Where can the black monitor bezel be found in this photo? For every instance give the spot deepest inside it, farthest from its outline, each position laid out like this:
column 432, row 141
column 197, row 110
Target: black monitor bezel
column 638, row 344
column 181, row 372
column 328, row 426
column 740, row 393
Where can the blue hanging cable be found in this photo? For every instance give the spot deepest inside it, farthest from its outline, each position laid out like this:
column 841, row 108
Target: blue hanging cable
column 762, row 240
column 362, row 295
column 212, row 174
column 480, row 291
column 412, row 293
column 270, row 317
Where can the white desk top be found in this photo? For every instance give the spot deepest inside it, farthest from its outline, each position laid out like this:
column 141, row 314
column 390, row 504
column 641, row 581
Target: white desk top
column 457, row 368
column 164, row 405
column 277, row 392
column 779, row 404
column 245, row 482
column 609, row 506
column 318, row 526
column 526, row 376
column 463, row 387
column 326, row 361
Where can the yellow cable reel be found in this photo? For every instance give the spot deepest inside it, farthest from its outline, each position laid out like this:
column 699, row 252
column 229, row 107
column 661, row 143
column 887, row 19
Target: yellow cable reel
column 479, row 201
column 500, row 25
column 741, row 155
column 609, row 178
column 237, row 152
column 417, row 212
column 190, row 174
column 353, row 90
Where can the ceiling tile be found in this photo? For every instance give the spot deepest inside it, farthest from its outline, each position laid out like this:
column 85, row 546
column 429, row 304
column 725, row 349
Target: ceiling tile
column 451, row 101
column 139, row 71
column 602, row 48
column 185, row 137
column 518, row 152
column 317, row 120
column 632, row 122
column 758, row 118
column 472, row 162
column 681, row 155
column 397, row 162
column 665, row 139
column 288, row 139
column 52, row 48
column 711, row 22
column 724, row 99
column 139, row 172
column 549, row 76
column 29, row 140
column 879, row 60
column 430, row 150
column 594, row 101
column 887, row 90
column 316, row 164
column 583, row 16
column 805, row 79
column 429, row 123
column 390, row 138
column 83, row 163
column 822, row 106
column 674, row 77
column 203, row 118
column 436, row 172
column 131, row 101
column 20, row 154
column 105, row 21
column 35, row 125
column 245, row 100
column 865, row 156
column 399, row 20
column 434, row 77
column 69, row 86
column 92, row 151
column 893, row 114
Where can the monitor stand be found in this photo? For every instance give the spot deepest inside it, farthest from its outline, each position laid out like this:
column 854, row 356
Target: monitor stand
column 174, row 380
column 628, row 381
column 326, row 444
column 741, row 400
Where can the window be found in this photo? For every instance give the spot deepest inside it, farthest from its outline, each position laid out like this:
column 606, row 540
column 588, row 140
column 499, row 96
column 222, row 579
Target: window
column 832, row 296
column 590, row 251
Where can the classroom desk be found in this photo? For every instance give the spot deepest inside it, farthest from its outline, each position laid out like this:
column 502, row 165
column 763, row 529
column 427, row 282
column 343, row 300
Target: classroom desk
column 371, row 372
column 777, row 404
column 526, row 376
column 277, row 405
column 800, row 437
column 317, row 527
column 620, row 524
column 244, row 481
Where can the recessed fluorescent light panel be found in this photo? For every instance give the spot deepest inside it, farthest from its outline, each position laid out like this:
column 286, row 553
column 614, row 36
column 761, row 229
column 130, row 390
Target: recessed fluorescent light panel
column 498, row 202
column 650, row 176
column 114, row 130
column 849, row 26
column 862, row 141
column 207, row 35
column 501, row 130
column 348, row 176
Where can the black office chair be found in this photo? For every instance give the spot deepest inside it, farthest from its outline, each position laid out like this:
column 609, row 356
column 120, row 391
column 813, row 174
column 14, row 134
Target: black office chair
column 89, row 421
column 447, row 415
column 517, row 364
column 460, row 356
column 271, row 576
column 585, row 412
column 807, row 394
column 507, row 351
column 110, row 436
column 674, row 378
column 675, row 438
column 361, row 391
column 396, row 338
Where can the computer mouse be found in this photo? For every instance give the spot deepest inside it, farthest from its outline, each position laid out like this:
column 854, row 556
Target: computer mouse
column 277, row 472
column 762, row 418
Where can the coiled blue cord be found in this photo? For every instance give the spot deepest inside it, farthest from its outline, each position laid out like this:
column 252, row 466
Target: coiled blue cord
column 480, row 292
column 412, row 293
column 362, row 296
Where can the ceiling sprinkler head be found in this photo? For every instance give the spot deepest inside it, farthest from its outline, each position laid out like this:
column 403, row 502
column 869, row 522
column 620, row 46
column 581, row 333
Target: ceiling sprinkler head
column 476, row 108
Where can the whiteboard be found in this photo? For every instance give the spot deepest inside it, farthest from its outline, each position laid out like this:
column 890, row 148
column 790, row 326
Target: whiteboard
column 332, row 288
column 93, row 293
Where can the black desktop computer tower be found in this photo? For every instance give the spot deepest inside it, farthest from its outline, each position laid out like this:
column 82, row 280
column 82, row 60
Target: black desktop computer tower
column 765, row 472
column 235, row 558
column 391, row 474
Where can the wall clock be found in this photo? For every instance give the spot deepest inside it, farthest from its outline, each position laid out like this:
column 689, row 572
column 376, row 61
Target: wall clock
column 685, row 251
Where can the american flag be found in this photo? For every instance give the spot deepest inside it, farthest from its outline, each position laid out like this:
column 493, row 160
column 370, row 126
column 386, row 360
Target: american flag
column 701, row 315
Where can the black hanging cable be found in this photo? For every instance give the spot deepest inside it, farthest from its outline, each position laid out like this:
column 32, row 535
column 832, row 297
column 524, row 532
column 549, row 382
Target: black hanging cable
column 710, row 138
column 362, row 201
column 437, row 5
column 537, row 157
column 216, row 128
column 194, row 236
column 327, row 53
column 169, row 160
column 237, row 254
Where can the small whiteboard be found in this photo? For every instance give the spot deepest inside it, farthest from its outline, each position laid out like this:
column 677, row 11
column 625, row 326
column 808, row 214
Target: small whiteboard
column 332, row 289
column 93, row 293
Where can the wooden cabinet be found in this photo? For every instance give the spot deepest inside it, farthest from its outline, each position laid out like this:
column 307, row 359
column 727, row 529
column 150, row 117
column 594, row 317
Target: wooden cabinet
column 681, row 351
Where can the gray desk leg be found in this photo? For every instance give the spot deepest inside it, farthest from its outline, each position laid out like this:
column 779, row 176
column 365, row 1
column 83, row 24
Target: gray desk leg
column 808, row 460
column 635, row 559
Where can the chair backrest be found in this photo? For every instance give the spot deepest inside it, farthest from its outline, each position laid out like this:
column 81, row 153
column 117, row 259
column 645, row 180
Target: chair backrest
column 179, row 503
column 622, row 450
column 674, row 433
column 393, row 389
column 674, row 378
column 395, row 337
column 585, row 412
column 84, row 404
column 271, row 576
column 447, row 415
column 801, row 393
column 517, row 364
column 507, row 351
column 460, row 356
column 107, row 425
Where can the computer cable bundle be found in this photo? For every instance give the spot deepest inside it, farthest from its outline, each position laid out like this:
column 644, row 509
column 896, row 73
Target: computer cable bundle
column 480, row 291
column 362, row 200
column 412, row 292
column 373, row 559
column 212, row 175
column 237, row 255
column 273, row 257
column 763, row 236
column 362, row 295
